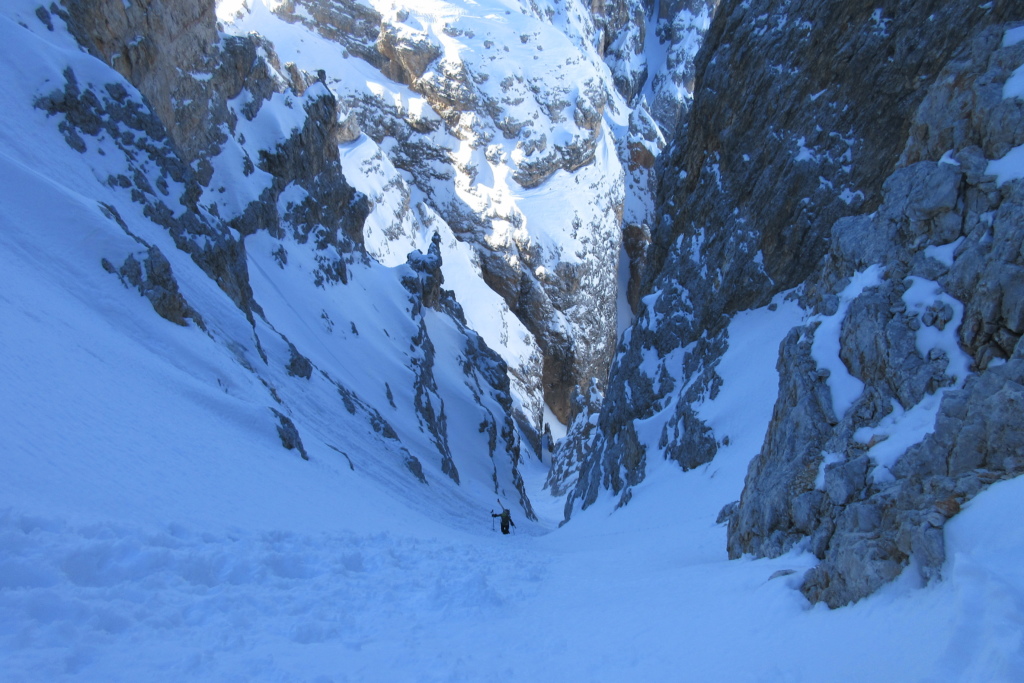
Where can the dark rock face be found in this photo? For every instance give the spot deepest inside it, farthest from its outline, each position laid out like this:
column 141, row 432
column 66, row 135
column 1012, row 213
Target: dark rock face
column 783, row 176
column 289, row 434
column 486, row 379
column 681, row 25
column 947, row 242
column 425, row 285
column 579, row 442
column 799, row 117
column 622, row 28
column 489, row 379
column 298, row 365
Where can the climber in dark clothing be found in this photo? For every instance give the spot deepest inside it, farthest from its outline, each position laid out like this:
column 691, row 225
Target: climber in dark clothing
column 506, row 519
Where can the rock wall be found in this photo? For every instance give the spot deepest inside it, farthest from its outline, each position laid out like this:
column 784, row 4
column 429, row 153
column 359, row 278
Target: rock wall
column 782, row 178
column 147, row 42
column 935, row 337
column 496, row 103
column 195, row 81
column 621, row 40
column 802, row 110
column 680, row 27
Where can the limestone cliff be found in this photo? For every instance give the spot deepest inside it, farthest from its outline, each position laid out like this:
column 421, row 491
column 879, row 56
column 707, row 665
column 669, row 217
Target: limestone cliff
column 495, row 103
column 523, row 137
column 936, row 335
column 785, row 167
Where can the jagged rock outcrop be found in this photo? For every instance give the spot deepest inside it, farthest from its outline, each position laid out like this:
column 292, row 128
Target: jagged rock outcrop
column 486, row 379
column 147, row 42
column 490, row 378
column 785, row 137
column 428, row 278
column 193, row 80
column 151, row 170
column 578, row 443
column 289, row 434
column 153, row 277
column 622, row 33
column 923, row 297
column 353, row 25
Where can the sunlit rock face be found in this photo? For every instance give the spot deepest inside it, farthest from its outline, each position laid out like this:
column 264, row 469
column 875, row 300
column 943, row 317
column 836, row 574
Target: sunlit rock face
column 497, row 133
column 522, row 136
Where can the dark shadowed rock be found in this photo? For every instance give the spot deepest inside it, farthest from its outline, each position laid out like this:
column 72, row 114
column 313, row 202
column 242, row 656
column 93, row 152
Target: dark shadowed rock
column 289, row 434
column 784, row 139
column 153, row 278
column 940, row 233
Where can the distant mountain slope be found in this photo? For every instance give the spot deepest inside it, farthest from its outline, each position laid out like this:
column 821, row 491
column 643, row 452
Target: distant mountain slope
column 517, row 131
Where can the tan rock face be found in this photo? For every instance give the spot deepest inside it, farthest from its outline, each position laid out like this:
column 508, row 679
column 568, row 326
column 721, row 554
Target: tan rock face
column 408, row 53
column 352, row 25
column 148, row 41
column 189, row 74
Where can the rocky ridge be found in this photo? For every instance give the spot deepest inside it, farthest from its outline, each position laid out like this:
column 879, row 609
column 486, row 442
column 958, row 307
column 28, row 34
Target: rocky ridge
column 246, row 174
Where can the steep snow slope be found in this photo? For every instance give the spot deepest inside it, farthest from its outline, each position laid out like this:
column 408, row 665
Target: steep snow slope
column 355, row 372
column 240, row 564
